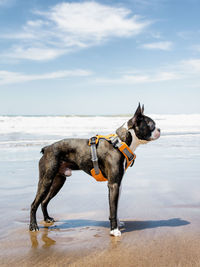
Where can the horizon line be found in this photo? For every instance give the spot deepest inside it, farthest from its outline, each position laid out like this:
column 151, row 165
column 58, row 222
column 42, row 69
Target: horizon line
column 89, row 115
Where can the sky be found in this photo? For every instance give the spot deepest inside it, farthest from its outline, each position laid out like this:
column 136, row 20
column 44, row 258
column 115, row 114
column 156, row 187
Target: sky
column 99, row 57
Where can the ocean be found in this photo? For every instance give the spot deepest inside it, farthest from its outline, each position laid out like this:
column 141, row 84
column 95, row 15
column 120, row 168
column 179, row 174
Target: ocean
column 19, row 131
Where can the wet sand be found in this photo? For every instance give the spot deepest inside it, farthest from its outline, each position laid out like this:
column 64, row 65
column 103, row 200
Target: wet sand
column 171, row 242
column 160, row 205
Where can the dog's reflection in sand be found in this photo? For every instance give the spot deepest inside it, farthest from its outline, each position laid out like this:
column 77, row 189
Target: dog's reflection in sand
column 47, row 241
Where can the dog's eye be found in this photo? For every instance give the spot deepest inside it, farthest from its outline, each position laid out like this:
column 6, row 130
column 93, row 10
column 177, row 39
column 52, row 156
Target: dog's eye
column 152, row 127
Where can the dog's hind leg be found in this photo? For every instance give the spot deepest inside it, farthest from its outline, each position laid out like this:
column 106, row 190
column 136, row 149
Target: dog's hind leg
column 48, row 169
column 57, row 184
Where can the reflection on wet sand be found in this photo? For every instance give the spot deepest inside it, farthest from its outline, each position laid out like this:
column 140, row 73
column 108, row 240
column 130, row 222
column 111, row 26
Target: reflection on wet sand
column 33, row 238
column 48, row 242
column 85, row 225
column 78, row 223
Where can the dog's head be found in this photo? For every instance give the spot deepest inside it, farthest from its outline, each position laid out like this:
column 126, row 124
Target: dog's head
column 143, row 126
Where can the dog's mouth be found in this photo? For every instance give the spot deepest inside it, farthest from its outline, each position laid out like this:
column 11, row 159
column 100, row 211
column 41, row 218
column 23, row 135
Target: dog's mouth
column 155, row 134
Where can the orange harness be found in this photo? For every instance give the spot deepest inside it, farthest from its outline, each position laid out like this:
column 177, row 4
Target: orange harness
column 117, row 143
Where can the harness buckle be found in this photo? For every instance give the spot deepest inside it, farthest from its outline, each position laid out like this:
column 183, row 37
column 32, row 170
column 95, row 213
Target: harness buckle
column 93, row 141
column 115, row 141
column 131, row 157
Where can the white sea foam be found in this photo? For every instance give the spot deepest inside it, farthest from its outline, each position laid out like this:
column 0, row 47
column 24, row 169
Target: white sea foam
column 24, row 131
column 67, row 126
column 178, row 124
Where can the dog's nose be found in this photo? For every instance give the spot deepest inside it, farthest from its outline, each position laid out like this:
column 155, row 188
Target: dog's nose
column 158, row 129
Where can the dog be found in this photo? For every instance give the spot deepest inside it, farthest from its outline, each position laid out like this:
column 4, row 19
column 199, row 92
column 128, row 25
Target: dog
column 63, row 157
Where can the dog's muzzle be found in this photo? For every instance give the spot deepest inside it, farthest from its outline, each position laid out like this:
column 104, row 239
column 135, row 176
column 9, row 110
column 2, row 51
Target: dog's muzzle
column 155, row 134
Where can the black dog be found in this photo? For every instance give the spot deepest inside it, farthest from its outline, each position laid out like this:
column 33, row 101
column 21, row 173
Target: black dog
column 60, row 158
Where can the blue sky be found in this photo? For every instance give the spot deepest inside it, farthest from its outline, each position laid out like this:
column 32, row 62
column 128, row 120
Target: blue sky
column 99, row 57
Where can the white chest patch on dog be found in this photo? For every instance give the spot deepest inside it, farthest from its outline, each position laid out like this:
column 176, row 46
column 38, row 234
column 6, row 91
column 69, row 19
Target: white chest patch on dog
column 135, row 141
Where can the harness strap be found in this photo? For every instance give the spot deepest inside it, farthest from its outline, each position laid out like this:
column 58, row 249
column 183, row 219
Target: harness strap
column 128, row 154
column 126, row 151
column 94, row 154
column 117, row 143
column 95, row 172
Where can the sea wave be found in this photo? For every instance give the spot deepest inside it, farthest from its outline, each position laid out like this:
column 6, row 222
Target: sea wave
column 42, row 130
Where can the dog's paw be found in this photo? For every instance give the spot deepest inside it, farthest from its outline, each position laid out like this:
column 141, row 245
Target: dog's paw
column 120, row 224
column 49, row 220
column 33, row 227
column 115, row 232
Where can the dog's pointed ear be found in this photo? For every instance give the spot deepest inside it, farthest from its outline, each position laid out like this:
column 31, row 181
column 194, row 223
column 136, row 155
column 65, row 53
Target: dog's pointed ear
column 139, row 110
column 142, row 109
column 137, row 114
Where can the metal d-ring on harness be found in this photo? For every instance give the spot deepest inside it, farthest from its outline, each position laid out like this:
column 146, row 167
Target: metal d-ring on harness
column 117, row 143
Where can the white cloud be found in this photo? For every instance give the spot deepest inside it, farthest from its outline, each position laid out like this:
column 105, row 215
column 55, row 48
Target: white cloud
column 68, row 26
column 149, row 78
column 182, row 70
column 191, row 65
column 159, row 76
column 196, row 48
column 34, row 53
column 189, row 35
column 7, row 77
column 92, row 20
column 158, row 45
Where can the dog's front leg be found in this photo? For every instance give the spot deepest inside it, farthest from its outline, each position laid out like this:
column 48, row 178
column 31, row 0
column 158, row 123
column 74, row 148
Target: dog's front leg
column 119, row 223
column 113, row 202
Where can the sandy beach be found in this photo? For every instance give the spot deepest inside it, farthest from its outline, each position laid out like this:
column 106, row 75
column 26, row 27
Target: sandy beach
column 76, row 69
column 169, row 242
column 160, row 205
